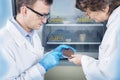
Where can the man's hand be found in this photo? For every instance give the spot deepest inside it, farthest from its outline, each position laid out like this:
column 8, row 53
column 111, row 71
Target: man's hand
column 60, row 49
column 52, row 58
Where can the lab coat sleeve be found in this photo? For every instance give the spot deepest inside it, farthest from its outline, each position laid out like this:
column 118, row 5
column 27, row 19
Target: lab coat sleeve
column 34, row 72
column 30, row 74
column 91, row 68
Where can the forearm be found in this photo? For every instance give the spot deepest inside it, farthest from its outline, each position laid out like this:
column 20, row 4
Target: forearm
column 91, row 68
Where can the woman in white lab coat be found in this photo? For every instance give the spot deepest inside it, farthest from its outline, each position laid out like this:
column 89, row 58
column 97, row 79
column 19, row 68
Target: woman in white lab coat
column 21, row 45
column 105, row 67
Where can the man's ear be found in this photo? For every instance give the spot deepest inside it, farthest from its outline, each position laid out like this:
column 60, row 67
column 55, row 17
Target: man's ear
column 23, row 10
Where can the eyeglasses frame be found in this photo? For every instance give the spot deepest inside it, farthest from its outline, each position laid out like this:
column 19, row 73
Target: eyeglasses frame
column 41, row 15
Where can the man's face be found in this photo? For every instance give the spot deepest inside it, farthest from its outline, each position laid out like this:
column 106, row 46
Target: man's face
column 34, row 18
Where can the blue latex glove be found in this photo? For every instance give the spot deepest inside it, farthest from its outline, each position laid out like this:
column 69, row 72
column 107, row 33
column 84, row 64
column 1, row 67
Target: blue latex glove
column 50, row 60
column 61, row 47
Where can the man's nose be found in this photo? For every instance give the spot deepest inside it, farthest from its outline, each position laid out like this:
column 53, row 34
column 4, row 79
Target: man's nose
column 44, row 20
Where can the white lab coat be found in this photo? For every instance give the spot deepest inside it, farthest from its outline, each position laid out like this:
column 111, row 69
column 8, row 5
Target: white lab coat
column 105, row 67
column 22, row 57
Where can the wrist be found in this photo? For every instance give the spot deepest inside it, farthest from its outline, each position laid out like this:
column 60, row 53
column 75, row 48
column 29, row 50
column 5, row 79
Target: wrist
column 43, row 65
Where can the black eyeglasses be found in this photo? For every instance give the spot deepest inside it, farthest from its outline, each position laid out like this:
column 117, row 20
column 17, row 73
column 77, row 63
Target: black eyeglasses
column 42, row 16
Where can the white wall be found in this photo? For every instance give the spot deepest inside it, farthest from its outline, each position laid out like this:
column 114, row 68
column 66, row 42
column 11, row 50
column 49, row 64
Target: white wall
column 5, row 11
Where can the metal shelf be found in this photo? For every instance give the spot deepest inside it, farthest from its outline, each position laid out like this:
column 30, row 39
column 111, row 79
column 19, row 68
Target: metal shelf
column 75, row 24
column 73, row 43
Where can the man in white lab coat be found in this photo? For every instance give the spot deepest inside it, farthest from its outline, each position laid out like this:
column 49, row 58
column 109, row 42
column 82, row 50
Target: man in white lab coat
column 105, row 67
column 21, row 45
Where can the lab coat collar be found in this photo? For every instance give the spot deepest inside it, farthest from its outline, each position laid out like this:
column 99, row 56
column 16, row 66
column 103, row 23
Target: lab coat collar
column 113, row 16
column 20, row 40
column 22, row 43
column 21, row 30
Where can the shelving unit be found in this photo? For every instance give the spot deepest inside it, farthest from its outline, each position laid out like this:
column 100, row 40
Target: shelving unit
column 60, row 32
column 68, row 25
column 87, row 29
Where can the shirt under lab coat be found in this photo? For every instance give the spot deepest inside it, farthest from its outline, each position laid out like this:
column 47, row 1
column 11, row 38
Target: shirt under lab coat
column 105, row 67
column 22, row 57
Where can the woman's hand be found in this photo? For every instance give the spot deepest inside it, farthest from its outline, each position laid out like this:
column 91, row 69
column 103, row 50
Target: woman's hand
column 76, row 59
